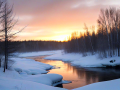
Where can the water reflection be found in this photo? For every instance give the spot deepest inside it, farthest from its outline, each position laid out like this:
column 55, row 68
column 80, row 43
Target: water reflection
column 80, row 76
column 60, row 86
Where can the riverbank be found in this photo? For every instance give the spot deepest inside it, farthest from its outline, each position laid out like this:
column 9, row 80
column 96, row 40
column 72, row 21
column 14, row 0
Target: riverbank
column 26, row 74
column 79, row 76
column 90, row 61
column 77, row 59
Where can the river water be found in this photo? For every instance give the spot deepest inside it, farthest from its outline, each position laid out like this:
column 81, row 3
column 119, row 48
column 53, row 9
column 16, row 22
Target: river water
column 79, row 76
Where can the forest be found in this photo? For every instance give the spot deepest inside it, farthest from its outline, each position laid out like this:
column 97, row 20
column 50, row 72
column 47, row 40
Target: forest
column 32, row 45
column 104, row 40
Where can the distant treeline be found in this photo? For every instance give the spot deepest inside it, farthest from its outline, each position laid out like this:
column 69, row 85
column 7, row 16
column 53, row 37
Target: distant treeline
column 106, row 41
column 29, row 46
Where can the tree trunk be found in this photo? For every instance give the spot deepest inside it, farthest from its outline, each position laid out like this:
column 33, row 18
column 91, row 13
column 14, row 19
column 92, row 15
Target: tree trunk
column 5, row 22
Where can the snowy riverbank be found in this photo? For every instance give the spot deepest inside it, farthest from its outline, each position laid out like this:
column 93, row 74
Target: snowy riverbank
column 27, row 74
column 89, row 61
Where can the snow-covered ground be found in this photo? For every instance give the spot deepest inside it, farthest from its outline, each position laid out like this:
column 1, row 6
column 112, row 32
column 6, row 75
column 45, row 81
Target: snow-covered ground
column 11, row 80
column 30, row 66
column 89, row 61
column 27, row 74
column 107, row 85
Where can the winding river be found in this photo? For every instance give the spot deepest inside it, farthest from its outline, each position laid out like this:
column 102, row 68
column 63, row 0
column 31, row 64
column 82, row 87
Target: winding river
column 79, row 76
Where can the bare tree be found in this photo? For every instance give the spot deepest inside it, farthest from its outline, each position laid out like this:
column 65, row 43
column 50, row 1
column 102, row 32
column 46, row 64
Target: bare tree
column 110, row 19
column 103, row 21
column 0, row 40
column 88, row 35
column 8, row 23
column 116, row 20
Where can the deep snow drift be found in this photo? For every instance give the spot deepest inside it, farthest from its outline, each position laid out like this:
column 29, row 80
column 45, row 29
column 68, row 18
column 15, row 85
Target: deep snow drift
column 11, row 80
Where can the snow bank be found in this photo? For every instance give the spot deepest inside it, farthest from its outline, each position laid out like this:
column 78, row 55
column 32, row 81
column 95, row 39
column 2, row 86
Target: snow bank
column 30, row 66
column 66, row 82
column 107, row 85
column 16, row 84
column 4, row 88
column 27, row 74
column 22, row 82
column 88, row 61
column 47, row 79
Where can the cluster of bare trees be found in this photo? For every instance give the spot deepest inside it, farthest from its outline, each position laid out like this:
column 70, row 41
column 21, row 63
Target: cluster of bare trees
column 105, row 41
column 82, row 43
column 109, row 21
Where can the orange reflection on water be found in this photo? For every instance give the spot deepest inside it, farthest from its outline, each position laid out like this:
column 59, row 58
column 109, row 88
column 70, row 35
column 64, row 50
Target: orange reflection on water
column 79, row 77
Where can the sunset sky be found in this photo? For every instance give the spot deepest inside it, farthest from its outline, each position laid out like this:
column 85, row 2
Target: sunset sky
column 56, row 19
